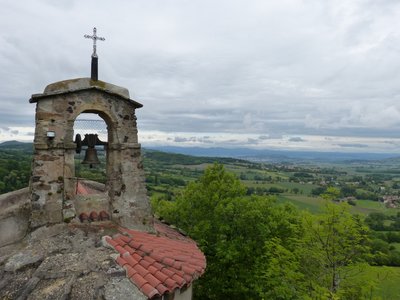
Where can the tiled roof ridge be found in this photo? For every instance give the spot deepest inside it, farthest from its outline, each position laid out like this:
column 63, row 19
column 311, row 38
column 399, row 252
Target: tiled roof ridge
column 157, row 264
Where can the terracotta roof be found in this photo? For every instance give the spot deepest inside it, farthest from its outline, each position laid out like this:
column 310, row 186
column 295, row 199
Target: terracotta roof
column 158, row 263
column 83, row 189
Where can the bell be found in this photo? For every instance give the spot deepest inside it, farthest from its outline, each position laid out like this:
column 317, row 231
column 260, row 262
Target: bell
column 91, row 157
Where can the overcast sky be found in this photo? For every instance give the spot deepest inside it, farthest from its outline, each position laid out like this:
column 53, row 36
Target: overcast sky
column 312, row 74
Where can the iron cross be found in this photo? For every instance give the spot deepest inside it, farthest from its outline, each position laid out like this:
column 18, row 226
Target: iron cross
column 94, row 37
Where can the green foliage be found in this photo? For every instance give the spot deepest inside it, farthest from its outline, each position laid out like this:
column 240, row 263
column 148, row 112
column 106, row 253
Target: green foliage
column 231, row 230
column 348, row 191
column 257, row 249
column 15, row 167
column 318, row 191
column 278, row 272
column 331, row 193
column 376, row 221
column 334, row 241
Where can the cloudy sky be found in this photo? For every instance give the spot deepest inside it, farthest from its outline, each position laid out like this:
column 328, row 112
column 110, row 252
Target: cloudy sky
column 287, row 74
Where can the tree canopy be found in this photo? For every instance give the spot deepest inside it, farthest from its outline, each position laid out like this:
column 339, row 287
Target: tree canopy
column 258, row 249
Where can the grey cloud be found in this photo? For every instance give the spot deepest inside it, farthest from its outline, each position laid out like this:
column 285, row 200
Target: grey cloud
column 204, row 140
column 181, row 139
column 252, row 141
column 353, row 145
column 296, row 139
column 270, row 136
column 313, row 78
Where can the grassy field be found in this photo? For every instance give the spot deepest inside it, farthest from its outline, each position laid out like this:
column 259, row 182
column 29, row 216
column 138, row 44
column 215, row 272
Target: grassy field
column 302, row 199
column 315, row 204
column 366, row 207
column 312, row 204
column 386, row 280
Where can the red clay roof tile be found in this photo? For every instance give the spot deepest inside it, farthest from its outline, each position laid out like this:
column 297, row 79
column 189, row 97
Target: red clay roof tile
column 138, row 280
column 160, row 276
column 145, row 264
column 171, row 284
column 120, row 241
column 188, row 270
column 178, row 279
column 157, row 256
column 129, row 271
column 103, row 216
column 142, row 271
column 188, row 278
column 177, row 264
column 137, row 256
column 168, row 261
column 162, row 289
column 152, row 280
column 129, row 259
column 121, row 261
column 158, row 264
column 149, row 291
column 126, row 239
column 83, row 189
column 111, row 241
column 149, row 259
column 135, row 244
column 152, row 270
column 129, row 249
column 146, row 249
column 94, row 216
column 120, row 249
column 168, row 272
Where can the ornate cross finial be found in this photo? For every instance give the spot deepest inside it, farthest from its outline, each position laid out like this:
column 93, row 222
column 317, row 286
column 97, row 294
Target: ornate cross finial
column 94, row 37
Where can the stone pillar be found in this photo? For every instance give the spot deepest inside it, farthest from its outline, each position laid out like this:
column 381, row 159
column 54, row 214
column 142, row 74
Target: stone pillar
column 47, row 180
column 130, row 203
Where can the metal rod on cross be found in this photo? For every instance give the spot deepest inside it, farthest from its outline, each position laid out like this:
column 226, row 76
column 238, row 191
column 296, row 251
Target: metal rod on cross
column 94, row 68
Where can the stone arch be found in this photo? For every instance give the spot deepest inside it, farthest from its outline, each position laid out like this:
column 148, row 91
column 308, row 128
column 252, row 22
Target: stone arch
column 101, row 176
column 96, row 106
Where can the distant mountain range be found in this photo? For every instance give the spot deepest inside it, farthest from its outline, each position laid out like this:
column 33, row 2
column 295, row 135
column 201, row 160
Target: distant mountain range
column 15, row 145
column 277, row 155
column 251, row 154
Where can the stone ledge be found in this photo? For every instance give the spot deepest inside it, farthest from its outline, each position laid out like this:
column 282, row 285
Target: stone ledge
column 84, row 84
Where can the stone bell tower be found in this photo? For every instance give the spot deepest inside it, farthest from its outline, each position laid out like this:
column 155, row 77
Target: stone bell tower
column 53, row 185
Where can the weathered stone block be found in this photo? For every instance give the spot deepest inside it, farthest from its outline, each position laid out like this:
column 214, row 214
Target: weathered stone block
column 14, row 216
column 22, row 259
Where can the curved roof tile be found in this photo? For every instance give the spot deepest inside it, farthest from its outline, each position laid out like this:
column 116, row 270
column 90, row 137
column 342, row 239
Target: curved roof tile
column 158, row 264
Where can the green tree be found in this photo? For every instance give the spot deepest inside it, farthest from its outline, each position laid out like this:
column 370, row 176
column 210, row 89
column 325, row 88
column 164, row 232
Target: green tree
column 375, row 221
column 278, row 272
column 231, row 229
column 331, row 193
column 257, row 249
column 335, row 242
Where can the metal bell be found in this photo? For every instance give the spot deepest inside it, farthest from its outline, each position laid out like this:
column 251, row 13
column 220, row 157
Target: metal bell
column 91, row 157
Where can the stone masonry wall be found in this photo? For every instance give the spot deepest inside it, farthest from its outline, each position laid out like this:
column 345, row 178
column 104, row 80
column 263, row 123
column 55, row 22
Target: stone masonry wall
column 52, row 181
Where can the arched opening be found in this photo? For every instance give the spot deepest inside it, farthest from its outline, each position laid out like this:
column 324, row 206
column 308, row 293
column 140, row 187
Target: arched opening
column 91, row 136
column 91, row 165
